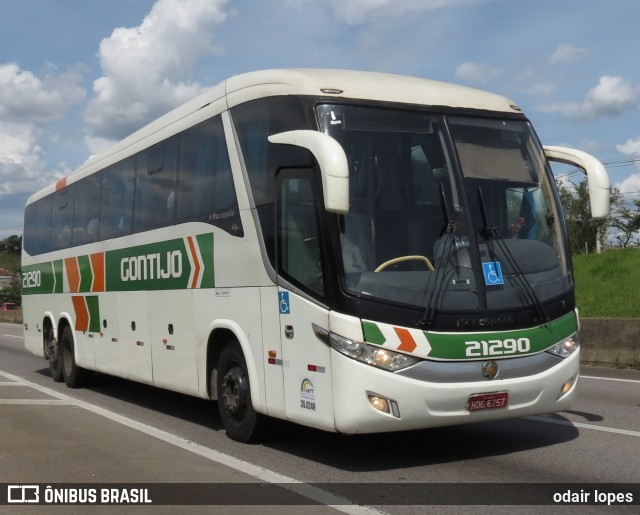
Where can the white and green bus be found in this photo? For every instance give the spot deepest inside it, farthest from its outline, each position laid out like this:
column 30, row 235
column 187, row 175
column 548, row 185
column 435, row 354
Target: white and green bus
column 351, row 251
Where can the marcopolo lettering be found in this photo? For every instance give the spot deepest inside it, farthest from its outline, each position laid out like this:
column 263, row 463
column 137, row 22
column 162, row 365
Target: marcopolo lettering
column 151, row 266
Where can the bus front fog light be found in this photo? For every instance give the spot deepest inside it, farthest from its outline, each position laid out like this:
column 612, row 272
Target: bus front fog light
column 385, row 405
column 567, row 385
column 379, row 403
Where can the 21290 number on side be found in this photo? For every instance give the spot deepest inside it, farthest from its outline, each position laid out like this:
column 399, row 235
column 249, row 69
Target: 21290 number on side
column 482, row 348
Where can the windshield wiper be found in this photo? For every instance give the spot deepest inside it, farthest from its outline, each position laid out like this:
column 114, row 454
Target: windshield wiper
column 445, row 248
column 492, row 234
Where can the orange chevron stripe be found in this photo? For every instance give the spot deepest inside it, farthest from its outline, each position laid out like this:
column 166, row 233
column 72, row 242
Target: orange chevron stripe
column 196, row 263
column 73, row 274
column 97, row 267
column 82, row 314
column 407, row 343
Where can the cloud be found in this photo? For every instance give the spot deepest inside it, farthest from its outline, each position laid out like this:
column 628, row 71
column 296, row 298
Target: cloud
column 630, row 147
column 567, row 53
column 25, row 97
column 478, row 72
column 147, row 69
column 27, row 102
column 22, row 164
column 612, row 96
column 541, row 88
column 630, row 184
column 357, row 12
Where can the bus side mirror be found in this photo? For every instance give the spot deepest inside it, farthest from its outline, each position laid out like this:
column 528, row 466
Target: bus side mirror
column 332, row 161
column 599, row 188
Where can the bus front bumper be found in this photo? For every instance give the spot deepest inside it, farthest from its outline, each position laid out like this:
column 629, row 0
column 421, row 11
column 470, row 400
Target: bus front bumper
column 370, row 400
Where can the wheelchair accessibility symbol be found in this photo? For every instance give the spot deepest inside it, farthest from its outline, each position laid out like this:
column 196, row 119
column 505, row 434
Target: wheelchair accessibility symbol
column 285, row 307
column 492, row 273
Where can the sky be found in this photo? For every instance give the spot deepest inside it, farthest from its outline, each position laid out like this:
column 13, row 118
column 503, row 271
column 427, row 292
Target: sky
column 78, row 75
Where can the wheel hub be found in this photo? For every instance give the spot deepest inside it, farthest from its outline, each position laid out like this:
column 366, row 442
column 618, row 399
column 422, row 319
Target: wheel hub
column 52, row 349
column 234, row 391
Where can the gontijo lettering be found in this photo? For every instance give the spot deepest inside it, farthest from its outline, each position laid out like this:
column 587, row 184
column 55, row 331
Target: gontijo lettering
column 166, row 265
column 151, row 266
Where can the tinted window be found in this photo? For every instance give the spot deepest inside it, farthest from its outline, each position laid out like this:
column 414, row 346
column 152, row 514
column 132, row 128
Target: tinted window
column 37, row 226
column 155, row 185
column 254, row 122
column 185, row 178
column 117, row 199
column 205, row 189
column 87, row 210
column 61, row 228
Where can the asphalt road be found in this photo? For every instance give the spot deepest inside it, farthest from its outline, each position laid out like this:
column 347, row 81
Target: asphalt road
column 138, row 437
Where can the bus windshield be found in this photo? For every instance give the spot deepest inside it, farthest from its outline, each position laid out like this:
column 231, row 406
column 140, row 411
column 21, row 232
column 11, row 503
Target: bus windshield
column 447, row 213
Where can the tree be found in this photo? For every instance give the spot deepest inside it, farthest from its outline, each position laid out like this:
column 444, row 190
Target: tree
column 626, row 219
column 584, row 231
column 13, row 293
column 12, row 245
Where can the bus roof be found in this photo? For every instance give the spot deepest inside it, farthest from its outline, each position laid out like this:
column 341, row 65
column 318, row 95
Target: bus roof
column 347, row 84
column 361, row 85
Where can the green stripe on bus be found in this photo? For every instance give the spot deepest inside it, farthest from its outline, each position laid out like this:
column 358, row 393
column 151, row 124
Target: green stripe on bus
column 205, row 243
column 165, row 265
column 86, row 276
column 456, row 345
column 372, row 333
column 93, row 307
column 58, row 268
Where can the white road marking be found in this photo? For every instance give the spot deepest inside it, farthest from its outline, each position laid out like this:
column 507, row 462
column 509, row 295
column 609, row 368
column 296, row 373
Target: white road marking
column 263, row 474
column 37, row 402
column 13, row 336
column 610, row 379
column 549, row 420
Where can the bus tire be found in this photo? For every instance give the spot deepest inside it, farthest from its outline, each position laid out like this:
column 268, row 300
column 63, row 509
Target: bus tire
column 74, row 376
column 240, row 420
column 54, row 357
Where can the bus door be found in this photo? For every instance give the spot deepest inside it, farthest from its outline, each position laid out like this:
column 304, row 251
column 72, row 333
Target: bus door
column 306, row 358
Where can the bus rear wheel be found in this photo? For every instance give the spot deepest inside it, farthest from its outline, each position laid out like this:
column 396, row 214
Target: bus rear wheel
column 52, row 349
column 240, row 420
column 74, row 376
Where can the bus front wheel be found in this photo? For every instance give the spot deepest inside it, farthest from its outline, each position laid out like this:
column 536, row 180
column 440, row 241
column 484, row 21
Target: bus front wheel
column 240, row 420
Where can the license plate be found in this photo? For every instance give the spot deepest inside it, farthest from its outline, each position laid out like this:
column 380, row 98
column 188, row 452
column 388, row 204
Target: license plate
column 484, row 401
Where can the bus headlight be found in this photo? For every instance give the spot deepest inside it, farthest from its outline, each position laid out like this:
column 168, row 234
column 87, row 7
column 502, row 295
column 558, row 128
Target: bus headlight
column 375, row 356
column 566, row 347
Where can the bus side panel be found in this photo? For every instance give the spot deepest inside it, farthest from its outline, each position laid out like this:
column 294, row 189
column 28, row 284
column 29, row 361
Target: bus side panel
column 33, row 312
column 273, row 374
column 308, row 378
column 134, row 343
column 107, row 347
column 173, row 340
column 236, row 310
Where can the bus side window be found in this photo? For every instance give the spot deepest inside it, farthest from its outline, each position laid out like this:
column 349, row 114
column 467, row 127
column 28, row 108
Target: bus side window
column 117, row 200
column 62, row 218
column 37, row 222
column 255, row 121
column 299, row 250
column 87, row 210
column 155, row 185
column 205, row 189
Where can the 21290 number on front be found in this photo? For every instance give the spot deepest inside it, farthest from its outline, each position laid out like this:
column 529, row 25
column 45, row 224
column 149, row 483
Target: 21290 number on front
column 482, row 348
